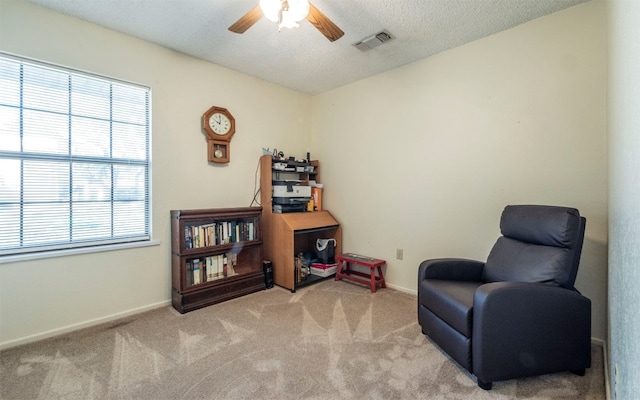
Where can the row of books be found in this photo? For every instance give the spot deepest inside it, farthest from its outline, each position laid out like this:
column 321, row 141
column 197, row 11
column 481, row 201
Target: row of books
column 218, row 233
column 211, row 268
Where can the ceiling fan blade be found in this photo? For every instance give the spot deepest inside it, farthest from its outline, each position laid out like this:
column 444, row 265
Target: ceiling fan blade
column 246, row 21
column 324, row 24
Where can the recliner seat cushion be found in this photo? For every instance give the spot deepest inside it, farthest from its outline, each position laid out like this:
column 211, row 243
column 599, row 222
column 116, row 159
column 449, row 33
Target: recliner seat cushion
column 451, row 301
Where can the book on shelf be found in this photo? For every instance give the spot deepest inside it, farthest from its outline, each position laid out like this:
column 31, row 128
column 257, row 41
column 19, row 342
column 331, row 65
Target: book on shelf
column 210, row 271
column 219, row 272
column 209, row 236
column 188, row 240
column 189, row 273
column 196, row 272
column 225, row 233
column 251, row 231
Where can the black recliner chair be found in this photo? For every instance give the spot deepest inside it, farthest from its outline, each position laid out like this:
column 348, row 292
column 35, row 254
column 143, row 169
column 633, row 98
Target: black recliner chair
column 517, row 314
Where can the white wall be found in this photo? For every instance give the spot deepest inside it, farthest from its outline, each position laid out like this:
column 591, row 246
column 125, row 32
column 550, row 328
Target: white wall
column 425, row 157
column 40, row 298
column 624, row 197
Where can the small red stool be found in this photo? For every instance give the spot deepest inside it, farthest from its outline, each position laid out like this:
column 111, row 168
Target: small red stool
column 345, row 260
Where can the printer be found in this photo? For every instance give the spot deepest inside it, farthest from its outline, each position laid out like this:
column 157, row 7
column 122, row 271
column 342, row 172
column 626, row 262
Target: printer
column 290, row 196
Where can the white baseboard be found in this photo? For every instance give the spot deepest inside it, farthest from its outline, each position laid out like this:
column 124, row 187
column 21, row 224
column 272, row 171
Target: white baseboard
column 402, row 289
column 82, row 325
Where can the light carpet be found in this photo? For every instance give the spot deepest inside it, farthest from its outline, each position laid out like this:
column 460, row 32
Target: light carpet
column 331, row 340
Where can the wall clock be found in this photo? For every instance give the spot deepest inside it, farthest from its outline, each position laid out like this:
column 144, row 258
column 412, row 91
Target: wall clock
column 220, row 127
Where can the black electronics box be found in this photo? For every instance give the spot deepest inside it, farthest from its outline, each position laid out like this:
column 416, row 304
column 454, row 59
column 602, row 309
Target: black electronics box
column 267, row 267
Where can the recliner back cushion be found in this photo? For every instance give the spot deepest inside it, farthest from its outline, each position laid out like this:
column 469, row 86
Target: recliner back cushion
column 537, row 245
column 512, row 260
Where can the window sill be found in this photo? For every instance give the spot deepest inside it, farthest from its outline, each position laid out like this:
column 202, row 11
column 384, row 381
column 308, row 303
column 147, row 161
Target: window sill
column 71, row 252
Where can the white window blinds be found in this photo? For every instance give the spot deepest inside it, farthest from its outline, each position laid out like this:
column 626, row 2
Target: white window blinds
column 74, row 159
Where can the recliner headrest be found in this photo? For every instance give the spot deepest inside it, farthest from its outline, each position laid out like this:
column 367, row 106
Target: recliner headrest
column 542, row 225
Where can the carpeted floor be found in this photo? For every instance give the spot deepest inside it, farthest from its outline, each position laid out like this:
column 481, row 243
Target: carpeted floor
column 331, row 340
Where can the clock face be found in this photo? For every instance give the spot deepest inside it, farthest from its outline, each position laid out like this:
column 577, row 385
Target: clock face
column 219, row 124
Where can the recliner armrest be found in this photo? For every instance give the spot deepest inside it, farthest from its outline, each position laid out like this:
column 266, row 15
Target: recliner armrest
column 453, row 269
column 523, row 329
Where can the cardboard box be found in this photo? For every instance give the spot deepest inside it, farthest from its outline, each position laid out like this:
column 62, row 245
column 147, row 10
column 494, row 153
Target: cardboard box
column 323, row 271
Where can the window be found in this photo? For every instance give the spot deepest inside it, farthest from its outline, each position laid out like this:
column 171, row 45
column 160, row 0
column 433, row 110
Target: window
column 74, row 159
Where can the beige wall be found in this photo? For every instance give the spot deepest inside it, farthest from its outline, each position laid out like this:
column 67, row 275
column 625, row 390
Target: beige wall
column 421, row 158
column 424, row 157
column 48, row 296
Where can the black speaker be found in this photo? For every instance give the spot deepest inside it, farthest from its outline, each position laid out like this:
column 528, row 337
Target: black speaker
column 267, row 267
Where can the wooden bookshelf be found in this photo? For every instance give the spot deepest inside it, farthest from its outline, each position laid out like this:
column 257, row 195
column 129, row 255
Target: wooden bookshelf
column 289, row 234
column 216, row 255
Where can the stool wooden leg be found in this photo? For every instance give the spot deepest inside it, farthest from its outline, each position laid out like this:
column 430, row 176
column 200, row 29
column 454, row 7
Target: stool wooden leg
column 373, row 280
column 381, row 276
column 338, row 271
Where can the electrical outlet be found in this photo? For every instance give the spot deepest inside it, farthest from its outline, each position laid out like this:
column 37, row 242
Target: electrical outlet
column 399, row 254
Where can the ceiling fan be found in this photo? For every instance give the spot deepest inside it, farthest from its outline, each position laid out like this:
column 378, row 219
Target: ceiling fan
column 287, row 13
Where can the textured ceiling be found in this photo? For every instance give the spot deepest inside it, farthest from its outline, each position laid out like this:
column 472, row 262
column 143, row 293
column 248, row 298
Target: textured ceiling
column 302, row 59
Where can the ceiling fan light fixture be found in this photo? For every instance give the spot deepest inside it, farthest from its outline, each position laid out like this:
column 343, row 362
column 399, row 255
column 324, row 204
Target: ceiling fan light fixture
column 286, row 13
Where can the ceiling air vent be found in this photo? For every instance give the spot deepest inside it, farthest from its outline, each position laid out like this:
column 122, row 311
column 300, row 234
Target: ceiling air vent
column 373, row 41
